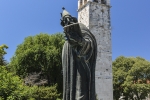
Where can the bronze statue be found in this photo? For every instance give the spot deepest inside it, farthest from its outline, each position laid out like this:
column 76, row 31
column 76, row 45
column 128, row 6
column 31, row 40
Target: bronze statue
column 78, row 60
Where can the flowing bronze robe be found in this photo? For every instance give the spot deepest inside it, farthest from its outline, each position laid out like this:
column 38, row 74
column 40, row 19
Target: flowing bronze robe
column 79, row 67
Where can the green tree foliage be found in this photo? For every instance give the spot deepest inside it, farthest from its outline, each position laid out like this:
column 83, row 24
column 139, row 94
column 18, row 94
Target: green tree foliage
column 40, row 53
column 131, row 76
column 2, row 53
column 46, row 93
column 11, row 86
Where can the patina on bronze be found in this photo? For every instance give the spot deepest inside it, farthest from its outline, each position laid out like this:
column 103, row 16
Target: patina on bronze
column 78, row 60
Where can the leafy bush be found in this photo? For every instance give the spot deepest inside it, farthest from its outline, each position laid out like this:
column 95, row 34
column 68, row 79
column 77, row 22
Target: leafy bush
column 11, row 86
column 46, row 93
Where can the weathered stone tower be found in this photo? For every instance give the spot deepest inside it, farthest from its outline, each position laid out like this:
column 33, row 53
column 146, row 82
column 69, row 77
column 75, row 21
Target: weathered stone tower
column 95, row 14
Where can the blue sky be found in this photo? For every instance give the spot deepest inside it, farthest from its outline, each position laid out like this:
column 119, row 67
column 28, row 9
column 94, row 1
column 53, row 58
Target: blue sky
column 130, row 20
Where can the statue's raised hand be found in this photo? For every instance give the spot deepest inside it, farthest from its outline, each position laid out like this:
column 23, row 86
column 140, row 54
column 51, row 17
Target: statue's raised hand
column 73, row 33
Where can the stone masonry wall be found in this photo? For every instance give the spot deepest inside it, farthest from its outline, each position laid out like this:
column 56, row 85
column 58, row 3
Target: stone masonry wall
column 96, row 17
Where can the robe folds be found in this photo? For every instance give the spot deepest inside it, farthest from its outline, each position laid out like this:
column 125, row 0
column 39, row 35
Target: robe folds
column 78, row 64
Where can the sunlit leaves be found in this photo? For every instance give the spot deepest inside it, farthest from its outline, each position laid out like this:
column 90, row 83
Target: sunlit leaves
column 41, row 54
column 131, row 76
column 2, row 53
column 11, row 86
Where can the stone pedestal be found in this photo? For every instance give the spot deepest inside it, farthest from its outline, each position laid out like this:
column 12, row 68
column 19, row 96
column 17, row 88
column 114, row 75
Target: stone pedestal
column 96, row 16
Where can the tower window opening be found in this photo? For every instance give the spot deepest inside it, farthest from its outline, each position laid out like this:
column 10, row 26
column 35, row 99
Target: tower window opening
column 85, row 1
column 103, row 1
column 81, row 3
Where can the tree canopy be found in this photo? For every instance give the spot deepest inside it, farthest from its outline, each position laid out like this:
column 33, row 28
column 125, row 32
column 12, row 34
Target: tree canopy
column 2, row 53
column 131, row 77
column 41, row 54
column 12, row 87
